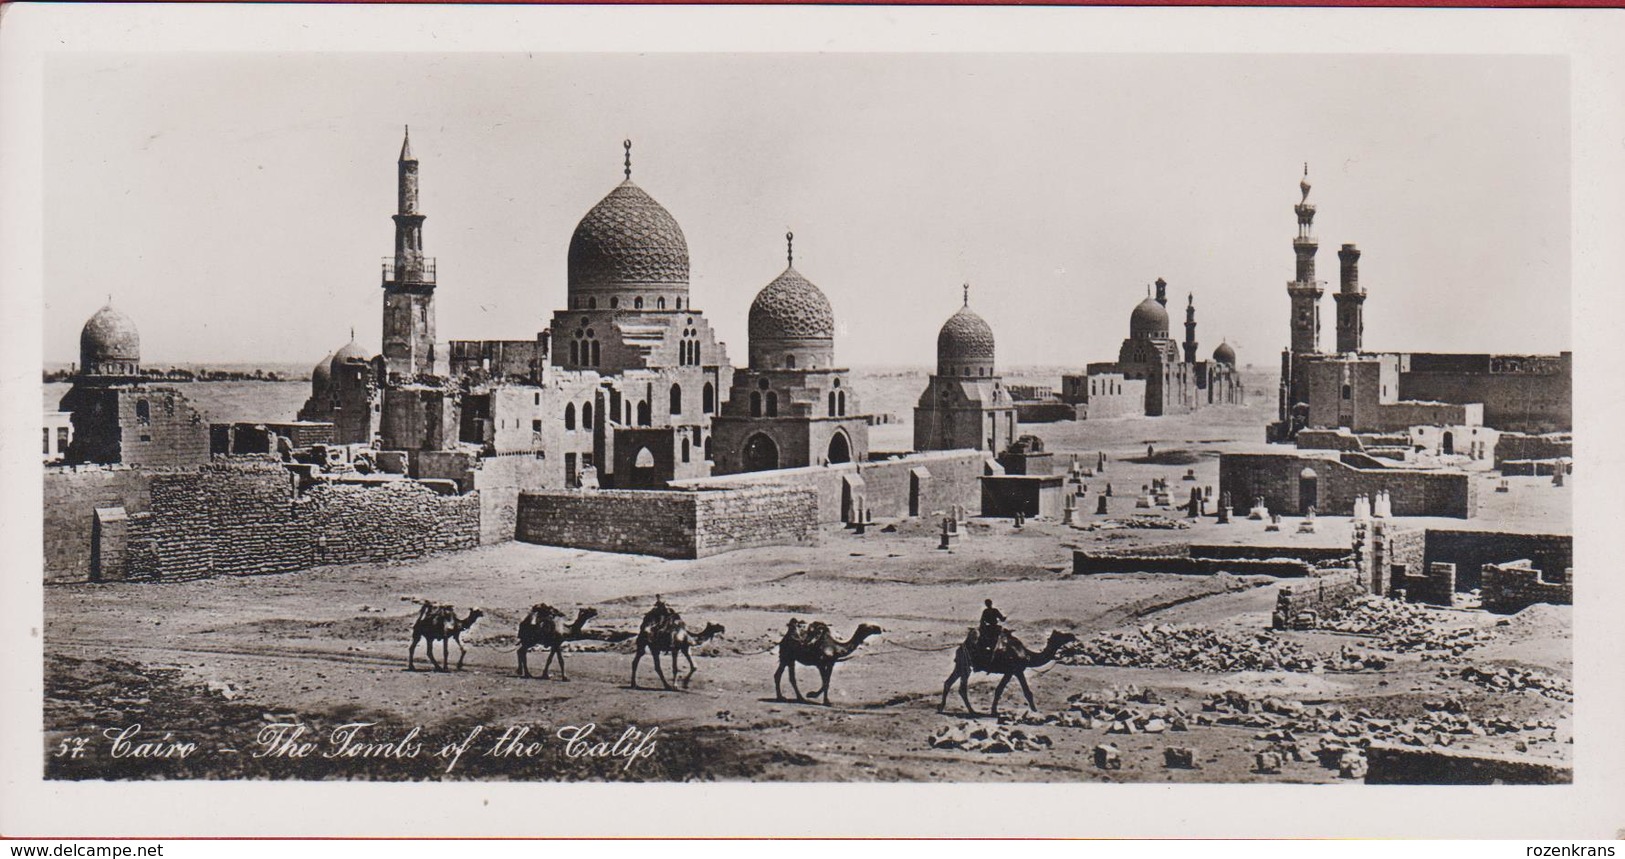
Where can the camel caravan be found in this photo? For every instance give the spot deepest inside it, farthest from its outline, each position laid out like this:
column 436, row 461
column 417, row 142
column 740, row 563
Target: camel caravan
column 988, row 648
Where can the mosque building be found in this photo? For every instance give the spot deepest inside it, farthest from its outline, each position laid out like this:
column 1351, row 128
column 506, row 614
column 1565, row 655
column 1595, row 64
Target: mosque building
column 1153, row 374
column 965, row 405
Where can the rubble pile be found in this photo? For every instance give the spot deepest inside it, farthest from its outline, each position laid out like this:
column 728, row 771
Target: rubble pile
column 1128, row 710
column 997, row 739
column 1192, row 648
column 1287, row 725
column 1140, row 521
column 1403, row 628
column 1516, row 680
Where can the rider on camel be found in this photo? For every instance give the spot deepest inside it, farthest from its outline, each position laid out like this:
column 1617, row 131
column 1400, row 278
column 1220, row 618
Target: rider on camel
column 659, row 614
column 990, row 627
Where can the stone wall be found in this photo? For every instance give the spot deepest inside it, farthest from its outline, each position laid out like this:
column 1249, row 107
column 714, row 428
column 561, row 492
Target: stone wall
column 1277, row 477
column 1471, row 550
column 1327, row 590
column 1523, row 446
column 669, row 524
column 891, row 487
column 1523, row 393
column 1435, row 586
column 1044, row 411
column 499, row 480
column 1393, row 764
column 1097, row 563
column 240, row 518
column 1513, row 587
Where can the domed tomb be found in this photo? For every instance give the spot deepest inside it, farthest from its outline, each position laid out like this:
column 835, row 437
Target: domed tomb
column 965, row 345
column 1225, row 354
column 1149, row 320
column 109, row 345
column 792, row 325
column 628, row 252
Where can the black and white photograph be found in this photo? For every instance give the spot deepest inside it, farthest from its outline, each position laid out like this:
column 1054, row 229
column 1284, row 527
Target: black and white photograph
column 952, row 416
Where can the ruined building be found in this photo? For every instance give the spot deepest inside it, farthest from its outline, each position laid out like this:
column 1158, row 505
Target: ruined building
column 792, row 407
column 1154, row 374
column 1364, row 391
column 965, row 403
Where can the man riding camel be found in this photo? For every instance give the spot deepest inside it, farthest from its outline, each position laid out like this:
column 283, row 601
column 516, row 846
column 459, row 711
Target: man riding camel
column 659, row 614
column 991, row 625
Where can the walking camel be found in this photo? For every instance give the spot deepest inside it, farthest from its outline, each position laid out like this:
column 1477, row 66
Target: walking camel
column 816, row 647
column 1008, row 657
column 669, row 634
column 545, row 627
column 440, row 623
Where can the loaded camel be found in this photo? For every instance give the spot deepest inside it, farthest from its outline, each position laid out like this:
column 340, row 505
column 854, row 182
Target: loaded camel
column 440, row 623
column 1008, row 656
column 663, row 631
column 545, row 627
column 815, row 646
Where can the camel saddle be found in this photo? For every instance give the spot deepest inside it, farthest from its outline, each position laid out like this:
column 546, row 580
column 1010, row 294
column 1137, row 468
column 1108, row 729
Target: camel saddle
column 1002, row 644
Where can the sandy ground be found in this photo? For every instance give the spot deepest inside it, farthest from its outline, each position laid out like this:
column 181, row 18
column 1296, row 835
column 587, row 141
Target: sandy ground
column 214, row 662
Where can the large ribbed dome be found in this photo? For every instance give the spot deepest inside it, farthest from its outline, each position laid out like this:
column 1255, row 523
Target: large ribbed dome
column 1225, row 354
column 628, row 240
column 1149, row 319
column 965, row 338
column 350, row 353
column 791, row 307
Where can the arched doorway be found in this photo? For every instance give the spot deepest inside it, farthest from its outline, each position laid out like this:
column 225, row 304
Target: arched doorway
column 760, row 454
column 1448, row 446
column 1308, row 490
column 840, row 450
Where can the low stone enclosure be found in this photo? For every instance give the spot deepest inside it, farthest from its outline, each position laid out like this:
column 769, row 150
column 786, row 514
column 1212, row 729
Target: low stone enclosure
column 1329, row 481
column 670, row 524
column 238, row 518
column 1511, row 571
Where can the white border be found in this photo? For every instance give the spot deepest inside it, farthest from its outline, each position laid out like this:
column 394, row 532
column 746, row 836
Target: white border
column 1594, row 807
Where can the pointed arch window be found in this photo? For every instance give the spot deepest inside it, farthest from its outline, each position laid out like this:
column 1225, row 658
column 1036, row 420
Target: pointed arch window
column 708, row 398
column 570, row 416
column 643, row 414
column 832, row 404
column 586, row 415
column 677, row 399
column 755, row 404
column 840, row 403
column 772, row 404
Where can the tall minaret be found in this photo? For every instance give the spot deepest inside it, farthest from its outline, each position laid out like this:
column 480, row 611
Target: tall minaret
column 1190, row 328
column 1305, row 290
column 1350, row 298
column 408, row 281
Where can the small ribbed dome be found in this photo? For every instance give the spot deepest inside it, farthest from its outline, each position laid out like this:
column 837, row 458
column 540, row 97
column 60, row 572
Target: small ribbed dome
column 628, row 239
column 965, row 338
column 350, row 353
column 1149, row 319
column 791, row 307
column 1225, row 354
column 109, row 336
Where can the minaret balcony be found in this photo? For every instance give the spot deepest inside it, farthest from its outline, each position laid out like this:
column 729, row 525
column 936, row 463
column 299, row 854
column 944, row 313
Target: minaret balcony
column 419, row 271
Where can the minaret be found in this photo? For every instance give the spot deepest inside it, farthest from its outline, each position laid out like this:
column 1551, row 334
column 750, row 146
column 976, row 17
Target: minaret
column 408, row 281
column 1190, row 328
column 1305, row 290
column 1350, row 299
column 1162, row 292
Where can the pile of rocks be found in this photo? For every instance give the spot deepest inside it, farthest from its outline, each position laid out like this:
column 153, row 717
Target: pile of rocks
column 1142, row 521
column 996, row 739
column 1128, row 710
column 1516, row 680
column 1403, row 627
column 1192, row 648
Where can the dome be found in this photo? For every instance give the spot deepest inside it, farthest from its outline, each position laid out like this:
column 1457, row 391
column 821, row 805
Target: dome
column 322, row 373
column 627, row 240
column 1224, row 354
column 350, row 353
column 1149, row 319
column 791, row 307
column 109, row 344
column 965, row 339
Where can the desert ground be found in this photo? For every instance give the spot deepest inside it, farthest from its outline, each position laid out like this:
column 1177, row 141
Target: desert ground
column 219, row 664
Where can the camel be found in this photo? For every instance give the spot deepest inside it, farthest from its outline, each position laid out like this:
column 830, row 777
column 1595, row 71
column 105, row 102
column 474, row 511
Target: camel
column 1008, row 657
column 545, row 627
column 668, row 634
column 815, row 647
column 440, row 623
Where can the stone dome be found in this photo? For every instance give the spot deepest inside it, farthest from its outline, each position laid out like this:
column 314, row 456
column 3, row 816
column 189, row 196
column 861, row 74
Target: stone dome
column 109, row 344
column 965, row 341
column 628, row 241
column 1225, row 354
column 321, row 375
column 1149, row 319
column 791, row 307
column 350, row 353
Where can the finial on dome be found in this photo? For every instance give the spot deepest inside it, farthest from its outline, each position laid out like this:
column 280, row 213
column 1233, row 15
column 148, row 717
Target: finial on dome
column 109, row 300
column 352, row 333
column 790, row 249
column 967, row 295
column 628, row 144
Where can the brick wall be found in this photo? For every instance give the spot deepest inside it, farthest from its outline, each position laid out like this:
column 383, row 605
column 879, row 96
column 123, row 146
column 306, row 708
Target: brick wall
column 1513, row 587
column 669, row 524
column 1434, row 586
column 1522, row 446
column 1320, row 593
column 72, row 496
column 1471, row 550
column 1538, row 398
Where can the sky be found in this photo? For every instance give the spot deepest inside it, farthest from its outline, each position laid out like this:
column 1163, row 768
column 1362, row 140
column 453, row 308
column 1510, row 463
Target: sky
column 236, row 206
